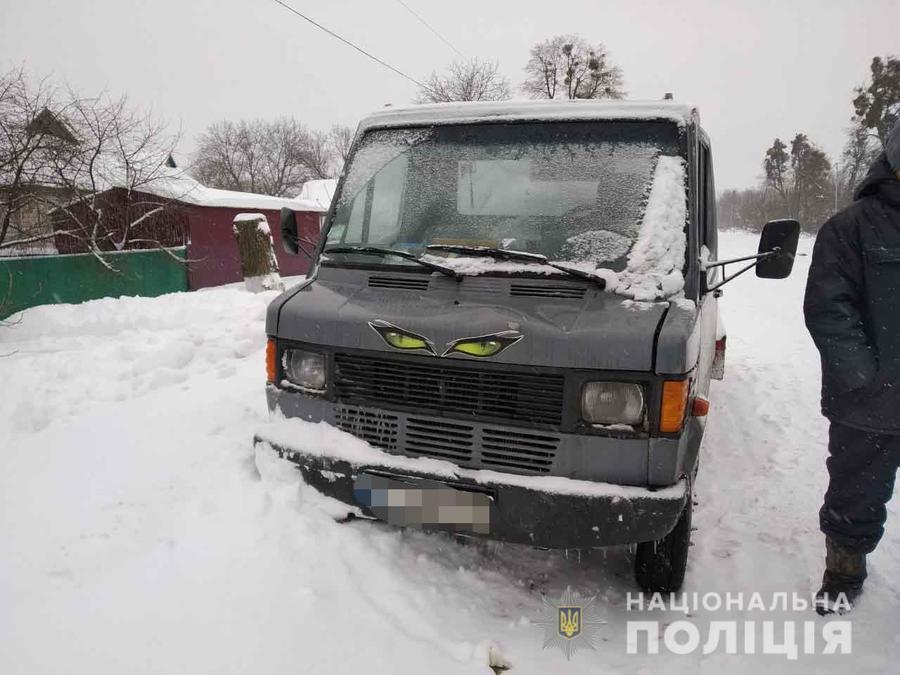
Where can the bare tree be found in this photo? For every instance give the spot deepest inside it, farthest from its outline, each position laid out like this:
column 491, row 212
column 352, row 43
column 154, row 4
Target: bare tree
column 225, row 157
column 318, row 156
column 116, row 148
column 62, row 155
column 341, row 141
column 472, row 80
column 567, row 66
column 281, row 157
column 859, row 152
column 27, row 132
column 269, row 157
column 748, row 209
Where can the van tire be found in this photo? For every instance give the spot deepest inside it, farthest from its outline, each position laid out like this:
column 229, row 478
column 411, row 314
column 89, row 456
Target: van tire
column 659, row 566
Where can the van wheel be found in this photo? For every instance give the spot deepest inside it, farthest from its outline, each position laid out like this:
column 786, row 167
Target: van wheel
column 659, row 565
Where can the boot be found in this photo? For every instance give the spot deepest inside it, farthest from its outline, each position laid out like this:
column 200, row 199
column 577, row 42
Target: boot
column 845, row 572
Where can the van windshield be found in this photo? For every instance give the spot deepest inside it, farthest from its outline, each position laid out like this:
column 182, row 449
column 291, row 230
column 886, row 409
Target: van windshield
column 571, row 191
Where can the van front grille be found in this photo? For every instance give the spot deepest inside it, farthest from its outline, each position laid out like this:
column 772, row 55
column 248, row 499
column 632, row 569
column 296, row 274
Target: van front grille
column 514, row 450
column 469, row 446
column 379, row 429
column 450, row 390
column 443, row 440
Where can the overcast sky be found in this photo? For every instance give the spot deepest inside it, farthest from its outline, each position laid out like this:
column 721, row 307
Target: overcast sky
column 756, row 69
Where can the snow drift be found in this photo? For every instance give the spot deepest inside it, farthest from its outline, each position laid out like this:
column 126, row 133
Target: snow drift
column 140, row 533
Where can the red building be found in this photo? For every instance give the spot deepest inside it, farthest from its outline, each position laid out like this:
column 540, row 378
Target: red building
column 182, row 212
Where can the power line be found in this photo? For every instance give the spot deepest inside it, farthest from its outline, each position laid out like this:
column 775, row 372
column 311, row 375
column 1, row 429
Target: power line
column 428, row 26
column 347, row 42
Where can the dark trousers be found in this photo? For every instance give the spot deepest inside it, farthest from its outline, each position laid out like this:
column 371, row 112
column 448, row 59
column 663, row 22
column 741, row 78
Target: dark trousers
column 861, row 469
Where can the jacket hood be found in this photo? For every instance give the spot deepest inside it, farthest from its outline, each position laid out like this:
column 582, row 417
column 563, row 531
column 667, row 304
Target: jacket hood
column 880, row 182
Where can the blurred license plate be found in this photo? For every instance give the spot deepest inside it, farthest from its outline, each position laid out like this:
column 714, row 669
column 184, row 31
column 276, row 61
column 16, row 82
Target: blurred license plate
column 420, row 502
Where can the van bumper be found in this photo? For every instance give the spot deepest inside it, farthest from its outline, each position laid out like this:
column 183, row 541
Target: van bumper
column 543, row 511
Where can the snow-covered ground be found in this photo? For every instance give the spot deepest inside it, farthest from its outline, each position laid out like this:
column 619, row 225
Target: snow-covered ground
column 139, row 533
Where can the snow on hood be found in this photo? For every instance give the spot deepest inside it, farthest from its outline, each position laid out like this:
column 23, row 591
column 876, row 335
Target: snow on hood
column 475, row 265
column 656, row 260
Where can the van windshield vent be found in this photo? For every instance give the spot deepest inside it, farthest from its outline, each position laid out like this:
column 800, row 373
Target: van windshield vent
column 403, row 283
column 546, row 291
column 484, row 285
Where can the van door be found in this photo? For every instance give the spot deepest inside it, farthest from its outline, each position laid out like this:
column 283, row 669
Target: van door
column 709, row 242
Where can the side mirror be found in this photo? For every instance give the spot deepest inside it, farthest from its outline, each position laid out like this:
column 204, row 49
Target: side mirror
column 781, row 237
column 289, row 238
column 775, row 259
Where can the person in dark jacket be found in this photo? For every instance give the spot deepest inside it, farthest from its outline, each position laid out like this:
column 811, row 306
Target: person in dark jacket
column 852, row 311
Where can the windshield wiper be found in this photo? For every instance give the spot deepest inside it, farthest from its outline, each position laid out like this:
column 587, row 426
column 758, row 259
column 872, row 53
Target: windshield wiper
column 488, row 252
column 384, row 252
column 515, row 256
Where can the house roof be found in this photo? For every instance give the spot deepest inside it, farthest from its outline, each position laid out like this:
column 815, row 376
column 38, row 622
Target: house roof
column 176, row 184
column 320, row 191
column 167, row 181
column 48, row 123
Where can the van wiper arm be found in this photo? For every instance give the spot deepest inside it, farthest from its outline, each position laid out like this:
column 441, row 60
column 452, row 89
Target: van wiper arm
column 385, row 252
column 516, row 256
column 488, row 252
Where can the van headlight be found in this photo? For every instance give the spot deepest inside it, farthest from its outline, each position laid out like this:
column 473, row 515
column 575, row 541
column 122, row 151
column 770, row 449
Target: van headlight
column 612, row 403
column 304, row 369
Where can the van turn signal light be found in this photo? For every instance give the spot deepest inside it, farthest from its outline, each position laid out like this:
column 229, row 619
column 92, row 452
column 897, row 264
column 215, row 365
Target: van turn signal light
column 270, row 361
column 674, row 405
column 700, row 407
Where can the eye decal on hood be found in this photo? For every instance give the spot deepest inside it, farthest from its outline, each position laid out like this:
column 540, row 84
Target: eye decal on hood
column 402, row 339
column 483, row 346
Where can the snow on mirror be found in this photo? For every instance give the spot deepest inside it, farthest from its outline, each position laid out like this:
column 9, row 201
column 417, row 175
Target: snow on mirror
column 574, row 192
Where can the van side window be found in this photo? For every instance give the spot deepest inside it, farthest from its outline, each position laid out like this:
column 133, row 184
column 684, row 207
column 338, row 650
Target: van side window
column 706, row 208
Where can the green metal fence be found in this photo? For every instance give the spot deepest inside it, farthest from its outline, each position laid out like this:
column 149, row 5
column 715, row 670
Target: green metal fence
column 41, row 280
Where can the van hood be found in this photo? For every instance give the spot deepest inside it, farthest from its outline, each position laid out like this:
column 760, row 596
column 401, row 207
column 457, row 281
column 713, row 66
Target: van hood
column 564, row 324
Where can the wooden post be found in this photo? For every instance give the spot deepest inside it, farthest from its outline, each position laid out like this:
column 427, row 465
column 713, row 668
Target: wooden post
column 259, row 266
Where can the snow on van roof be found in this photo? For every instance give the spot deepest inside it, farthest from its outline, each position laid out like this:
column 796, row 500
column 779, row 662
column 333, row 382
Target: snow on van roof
column 502, row 111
